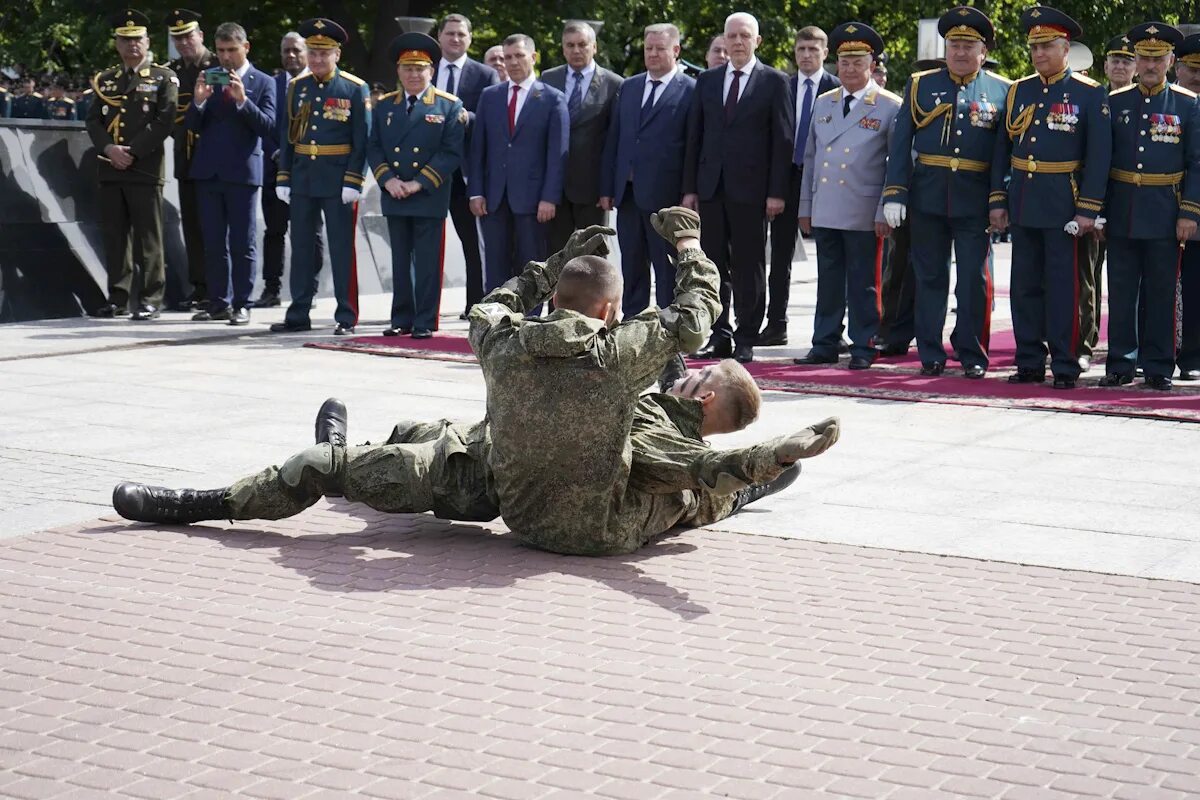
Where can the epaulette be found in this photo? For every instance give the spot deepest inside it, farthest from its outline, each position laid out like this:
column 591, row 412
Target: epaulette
column 1085, row 80
column 67, row 100
column 452, row 98
column 831, row 91
column 925, row 72
column 999, row 77
column 1183, row 90
column 895, row 98
column 388, row 95
column 86, row 91
column 38, row 95
column 357, row 81
column 1122, row 89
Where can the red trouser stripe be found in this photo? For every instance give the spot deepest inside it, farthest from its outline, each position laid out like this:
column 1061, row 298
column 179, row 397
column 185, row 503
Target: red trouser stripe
column 879, row 276
column 352, row 283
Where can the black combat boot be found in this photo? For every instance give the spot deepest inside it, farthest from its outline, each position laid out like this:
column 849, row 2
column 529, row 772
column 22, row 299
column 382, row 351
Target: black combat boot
column 331, row 422
column 142, row 503
column 757, row 492
column 675, row 369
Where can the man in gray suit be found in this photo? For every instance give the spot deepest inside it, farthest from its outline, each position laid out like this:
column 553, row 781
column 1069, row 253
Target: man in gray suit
column 845, row 161
column 590, row 90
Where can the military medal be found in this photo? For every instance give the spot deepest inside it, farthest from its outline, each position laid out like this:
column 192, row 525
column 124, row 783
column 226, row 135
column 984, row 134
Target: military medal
column 104, row 111
column 389, row 118
column 145, row 108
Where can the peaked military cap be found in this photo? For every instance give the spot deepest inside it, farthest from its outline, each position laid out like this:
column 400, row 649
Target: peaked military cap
column 1154, row 39
column 855, row 39
column 181, row 21
column 416, row 49
column 1045, row 24
column 129, row 22
column 965, row 22
column 323, row 34
column 1119, row 46
column 1188, row 51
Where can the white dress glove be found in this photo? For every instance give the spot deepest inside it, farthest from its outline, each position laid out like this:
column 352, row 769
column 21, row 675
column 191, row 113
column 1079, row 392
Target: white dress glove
column 284, row 193
column 1072, row 228
column 350, row 195
column 895, row 213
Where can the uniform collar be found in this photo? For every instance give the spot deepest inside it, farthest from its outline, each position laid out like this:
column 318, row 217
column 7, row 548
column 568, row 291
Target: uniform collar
column 1151, row 92
column 966, row 80
column 685, row 413
column 1053, row 79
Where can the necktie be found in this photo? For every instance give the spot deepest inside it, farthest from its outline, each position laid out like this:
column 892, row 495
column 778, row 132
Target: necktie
column 805, row 124
column 576, row 98
column 449, row 87
column 731, row 99
column 512, row 109
column 412, row 101
column 846, row 104
column 649, row 104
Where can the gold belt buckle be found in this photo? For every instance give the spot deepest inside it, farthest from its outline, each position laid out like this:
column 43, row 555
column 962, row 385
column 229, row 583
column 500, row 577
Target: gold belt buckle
column 1032, row 165
column 954, row 162
column 1137, row 179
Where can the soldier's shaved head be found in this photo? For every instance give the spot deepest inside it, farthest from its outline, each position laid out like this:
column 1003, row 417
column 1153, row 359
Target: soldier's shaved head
column 591, row 286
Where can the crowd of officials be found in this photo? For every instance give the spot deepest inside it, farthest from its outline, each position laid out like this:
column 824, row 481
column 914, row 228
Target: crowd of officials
column 886, row 185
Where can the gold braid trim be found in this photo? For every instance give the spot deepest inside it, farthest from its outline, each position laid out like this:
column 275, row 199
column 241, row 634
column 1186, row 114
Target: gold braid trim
column 298, row 121
column 920, row 117
column 116, row 101
column 1016, row 127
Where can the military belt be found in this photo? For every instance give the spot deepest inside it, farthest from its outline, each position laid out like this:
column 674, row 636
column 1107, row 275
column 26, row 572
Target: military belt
column 1048, row 167
column 1146, row 178
column 322, row 150
column 953, row 164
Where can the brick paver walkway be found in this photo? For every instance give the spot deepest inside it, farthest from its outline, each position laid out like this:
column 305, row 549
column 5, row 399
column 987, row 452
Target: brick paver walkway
column 351, row 653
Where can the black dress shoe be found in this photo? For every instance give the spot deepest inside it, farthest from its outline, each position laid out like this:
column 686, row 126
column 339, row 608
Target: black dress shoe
column 933, row 368
column 397, row 331
column 1063, row 382
column 221, row 315
column 743, row 353
column 332, row 420
column 343, row 330
column 1028, row 376
column 268, row 299
column 718, row 347
column 843, row 346
column 146, row 312
column 290, row 327
column 1160, row 382
column 1115, row 379
column 142, row 503
column 860, row 362
column 772, row 336
column 1189, row 374
column 463, row 315
column 894, row 350
column 815, row 358
column 422, row 333
column 106, row 311
column 974, row 371
column 751, row 494
column 241, row 316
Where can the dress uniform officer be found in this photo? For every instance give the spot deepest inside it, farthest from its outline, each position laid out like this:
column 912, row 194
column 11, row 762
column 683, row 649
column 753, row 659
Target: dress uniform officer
column 29, row 104
column 950, row 119
column 416, row 143
column 5, row 102
column 1187, row 68
column 83, row 103
column 133, row 113
column 845, row 162
column 1153, row 206
column 321, row 173
column 59, row 106
column 1058, row 144
column 183, row 25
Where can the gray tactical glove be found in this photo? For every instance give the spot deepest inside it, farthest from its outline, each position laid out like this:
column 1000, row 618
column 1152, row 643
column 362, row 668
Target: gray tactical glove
column 811, row 441
column 676, row 223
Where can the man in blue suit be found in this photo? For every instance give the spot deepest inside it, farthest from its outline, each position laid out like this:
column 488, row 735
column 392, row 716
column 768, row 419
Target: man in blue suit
column 231, row 121
column 518, row 156
column 642, row 168
column 466, row 79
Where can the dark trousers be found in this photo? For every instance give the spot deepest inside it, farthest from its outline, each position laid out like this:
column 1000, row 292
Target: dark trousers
column 734, row 236
column 569, row 218
column 784, row 229
column 510, row 241
column 193, row 239
column 1046, row 298
column 1091, row 261
column 1189, row 297
column 418, row 246
column 306, row 214
column 932, row 237
column 275, row 217
column 898, row 290
column 642, row 248
column 465, row 225
column 849, row 271
column 131, row 216
column 1149, row 268
column 228, row 219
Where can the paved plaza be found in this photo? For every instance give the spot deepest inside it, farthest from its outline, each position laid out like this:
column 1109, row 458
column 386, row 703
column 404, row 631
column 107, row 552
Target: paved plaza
column 953, row 602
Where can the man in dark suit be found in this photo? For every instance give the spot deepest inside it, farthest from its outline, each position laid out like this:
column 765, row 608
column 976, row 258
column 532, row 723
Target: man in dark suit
column 466, row 79
column 810, row 81
column 518, row 155
column 736, row 173
column 231, row 118
column 642, row 165
column 590, row 90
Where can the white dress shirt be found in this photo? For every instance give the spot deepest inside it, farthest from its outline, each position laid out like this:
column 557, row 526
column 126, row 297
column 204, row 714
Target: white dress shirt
column 855, row 95
column 816, row 78
column 522, row 95
column 588, row 72
column 443, row 71
column 662, row 86
column 746, row 70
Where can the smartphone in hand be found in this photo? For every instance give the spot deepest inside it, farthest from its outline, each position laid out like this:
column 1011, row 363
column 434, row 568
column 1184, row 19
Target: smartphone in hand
column 216, row 76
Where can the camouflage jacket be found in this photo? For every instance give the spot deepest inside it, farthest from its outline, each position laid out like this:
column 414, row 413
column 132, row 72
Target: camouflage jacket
column 561, row 396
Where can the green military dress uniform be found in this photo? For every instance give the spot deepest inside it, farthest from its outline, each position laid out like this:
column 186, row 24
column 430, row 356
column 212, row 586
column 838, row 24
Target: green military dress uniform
column 28, row 106
column 60, row 108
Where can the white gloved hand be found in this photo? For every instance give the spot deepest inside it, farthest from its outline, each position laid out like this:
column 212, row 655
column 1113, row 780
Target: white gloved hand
column 895, row 213
column 350, row 195
column 1100, row 223
column 1072, row 228
column 284, row 193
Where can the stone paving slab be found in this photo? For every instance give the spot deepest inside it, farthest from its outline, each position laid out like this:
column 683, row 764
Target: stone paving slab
column 349, row 653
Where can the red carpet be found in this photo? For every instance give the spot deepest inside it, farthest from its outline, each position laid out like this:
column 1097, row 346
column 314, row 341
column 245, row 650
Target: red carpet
column 890, row 379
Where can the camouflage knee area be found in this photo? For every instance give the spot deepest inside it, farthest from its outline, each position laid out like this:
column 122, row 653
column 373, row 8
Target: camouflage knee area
column 321, row 467
column 280, row 492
